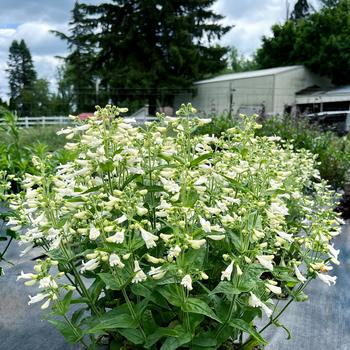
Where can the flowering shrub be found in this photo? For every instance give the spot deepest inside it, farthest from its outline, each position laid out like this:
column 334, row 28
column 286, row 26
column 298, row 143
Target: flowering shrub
column 162, row 238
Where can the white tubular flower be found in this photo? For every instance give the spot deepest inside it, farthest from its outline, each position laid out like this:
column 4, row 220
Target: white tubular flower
column 37, row 298
column 157, row 273
column 149, row 238
column 90, row 265
column 205, row 225
column 187, row 282
column 165, row 237
column 327, row 279
column 273, row 288
column 141, row 211
column 196, row 243
column 266, row 261
column 239, row 271
column 254, row 301
column 288, row 237
column 174, row 252
column 300, row 277
column 121, row 219
column 227, row 273
column 26, row 276
column 170, row 186
column 94, row 233
column 333, row 253
column 48, row 282
column 45, row 305
column 139, row 274
column 154, row 260
column 114, row 260
column 216, row 237
column 118, row 237
column 278, row 209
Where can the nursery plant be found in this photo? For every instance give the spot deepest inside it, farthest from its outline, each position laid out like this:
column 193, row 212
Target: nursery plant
column 161, row 238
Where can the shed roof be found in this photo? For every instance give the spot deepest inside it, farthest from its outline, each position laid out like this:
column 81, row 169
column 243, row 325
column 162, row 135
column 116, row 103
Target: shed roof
column 245, row 75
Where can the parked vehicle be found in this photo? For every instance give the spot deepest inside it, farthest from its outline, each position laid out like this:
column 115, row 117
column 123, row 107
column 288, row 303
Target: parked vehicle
column 337, row 121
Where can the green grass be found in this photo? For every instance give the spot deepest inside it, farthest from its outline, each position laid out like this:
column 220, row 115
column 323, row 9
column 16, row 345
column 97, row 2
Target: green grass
column 39, row 134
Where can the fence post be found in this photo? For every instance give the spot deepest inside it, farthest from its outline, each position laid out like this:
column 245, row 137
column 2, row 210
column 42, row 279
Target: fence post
column 43, row 120
column 26, row 123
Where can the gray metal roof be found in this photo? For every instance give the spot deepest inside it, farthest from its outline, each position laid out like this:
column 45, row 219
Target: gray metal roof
column 341, row 90
column 245, row 75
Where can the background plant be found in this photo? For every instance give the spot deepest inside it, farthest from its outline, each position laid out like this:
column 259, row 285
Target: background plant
column 174, row 241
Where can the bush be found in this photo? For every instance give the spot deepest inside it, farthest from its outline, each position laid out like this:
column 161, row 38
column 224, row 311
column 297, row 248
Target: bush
column 333, row 151
column 174, row 241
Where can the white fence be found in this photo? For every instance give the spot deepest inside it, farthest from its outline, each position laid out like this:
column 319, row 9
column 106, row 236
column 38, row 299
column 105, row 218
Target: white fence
column 26, row 122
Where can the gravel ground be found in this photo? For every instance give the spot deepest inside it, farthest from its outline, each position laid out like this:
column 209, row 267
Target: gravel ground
column 322, row 323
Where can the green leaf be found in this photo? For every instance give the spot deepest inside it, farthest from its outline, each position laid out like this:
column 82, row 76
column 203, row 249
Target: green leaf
column 110, row 281
column 147, row 291
column 133, row 335
column 205, row 340
column 70, row 334
column 169, row 292
column 226, row 288
column 198, row 306
column 111, row 320
column 66, row 302
column 199, row 159
column 188, row 198
column 130, row 179
column 93, row 189
column 245, row 327
column 96, row 288
column 107, row 166
column 172, row 343
column 160, row 333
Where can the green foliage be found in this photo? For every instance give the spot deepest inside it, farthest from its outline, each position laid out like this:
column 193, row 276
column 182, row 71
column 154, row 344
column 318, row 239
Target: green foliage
column 301, row 10
column 331, row 150
column 319, row 41
column 238, row 63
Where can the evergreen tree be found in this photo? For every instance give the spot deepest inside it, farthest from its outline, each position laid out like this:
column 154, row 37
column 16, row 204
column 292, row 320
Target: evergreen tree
column 301, row 10
column 22, row 76
column 146, row 50
column 79, row 72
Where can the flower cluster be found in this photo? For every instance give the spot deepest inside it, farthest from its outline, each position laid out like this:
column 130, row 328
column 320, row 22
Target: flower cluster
column 212, row 228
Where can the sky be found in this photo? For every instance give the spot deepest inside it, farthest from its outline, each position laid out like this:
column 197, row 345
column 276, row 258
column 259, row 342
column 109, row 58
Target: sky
column 32, row 21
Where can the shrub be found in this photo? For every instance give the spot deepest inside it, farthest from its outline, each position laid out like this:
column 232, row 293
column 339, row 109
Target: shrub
column 174, row 241
column 333, row 151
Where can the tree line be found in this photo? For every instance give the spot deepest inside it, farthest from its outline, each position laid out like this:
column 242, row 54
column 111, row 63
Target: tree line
column 137, row 52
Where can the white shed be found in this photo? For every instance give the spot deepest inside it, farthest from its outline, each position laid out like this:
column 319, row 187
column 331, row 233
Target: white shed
column 268, row 91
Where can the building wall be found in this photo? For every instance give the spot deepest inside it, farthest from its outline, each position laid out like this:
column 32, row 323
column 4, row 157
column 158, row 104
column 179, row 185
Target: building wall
column 221, row 97
column 256, row 91
column 275, row 92
column 290, row 82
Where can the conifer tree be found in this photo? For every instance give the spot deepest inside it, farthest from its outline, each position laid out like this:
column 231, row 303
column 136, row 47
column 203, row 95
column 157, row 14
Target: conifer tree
column 22, row 77
column 149, row 50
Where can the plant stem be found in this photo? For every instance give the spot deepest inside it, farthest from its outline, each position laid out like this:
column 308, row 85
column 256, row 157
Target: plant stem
column 132, row 311
column 7, row 246
column 80, row 282
column 230, row 311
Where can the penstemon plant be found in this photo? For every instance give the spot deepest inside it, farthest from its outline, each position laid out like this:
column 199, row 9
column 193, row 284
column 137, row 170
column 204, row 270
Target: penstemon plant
column 160, row 238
